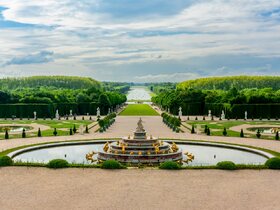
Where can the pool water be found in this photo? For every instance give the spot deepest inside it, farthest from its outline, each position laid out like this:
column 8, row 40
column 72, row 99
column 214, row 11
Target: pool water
column 204, row 155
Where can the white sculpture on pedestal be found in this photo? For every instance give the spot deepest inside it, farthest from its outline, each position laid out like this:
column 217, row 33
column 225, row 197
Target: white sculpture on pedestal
column 209, row 113
column 223, row 115
column 98, row 112
column 180, row 112
column 35, row 115
column 70, row 113
column 57, row 114
column 246, row 115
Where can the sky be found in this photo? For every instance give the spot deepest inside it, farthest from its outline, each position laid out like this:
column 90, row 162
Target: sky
column 139, row 40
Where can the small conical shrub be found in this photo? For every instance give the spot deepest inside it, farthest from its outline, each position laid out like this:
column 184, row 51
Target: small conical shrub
column 196, row 118
column 277, row 135
column 74, row 129
column 192, row 131
column 23, row 135
column 39, row 134
column 203, row 118
column 54, row 132
column 208, row 132
column 6, row 134
column 212, row 118
column 258, row 134
column 241, row 133
column 71, row 132
column 87, row 129
column 225, row 132
column 205, row 129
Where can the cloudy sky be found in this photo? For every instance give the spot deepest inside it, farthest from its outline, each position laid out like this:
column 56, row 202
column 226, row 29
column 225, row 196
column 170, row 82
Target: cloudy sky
column 139, row 40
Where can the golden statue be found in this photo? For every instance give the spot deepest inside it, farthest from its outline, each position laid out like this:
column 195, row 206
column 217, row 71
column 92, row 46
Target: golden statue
column 148, row 153
column 174, row 147
column 139, row 153
column 157, row 150
column 90, row 155
column 151, row 137
column 123, row 149
column 116, row 152
column 128, row 136
column 131, row 153
column 106, row 147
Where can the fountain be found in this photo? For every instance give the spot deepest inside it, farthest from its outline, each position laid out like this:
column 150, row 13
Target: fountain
column 140, row 149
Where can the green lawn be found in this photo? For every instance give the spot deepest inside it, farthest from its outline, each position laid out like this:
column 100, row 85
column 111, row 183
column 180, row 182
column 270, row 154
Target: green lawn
column 139, row 110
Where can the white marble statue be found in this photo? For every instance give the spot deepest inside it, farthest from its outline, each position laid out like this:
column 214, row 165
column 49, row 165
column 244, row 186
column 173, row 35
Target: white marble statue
column 168, row 110
column 71, row 114
column 246, row 115
column 209, row 113
column 180, row 112
column 35, row 115
column 57, row 114
column 98, row 112
column 223, row 115
column 109, row 111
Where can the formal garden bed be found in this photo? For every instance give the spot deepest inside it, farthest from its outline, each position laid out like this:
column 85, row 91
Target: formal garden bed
column 217, row 128
column 47, row 127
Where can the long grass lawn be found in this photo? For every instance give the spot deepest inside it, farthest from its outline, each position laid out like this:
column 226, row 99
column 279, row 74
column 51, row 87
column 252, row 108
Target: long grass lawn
column 139, row 110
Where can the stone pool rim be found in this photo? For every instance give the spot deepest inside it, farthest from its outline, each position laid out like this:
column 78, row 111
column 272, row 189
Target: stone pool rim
column 186, row 142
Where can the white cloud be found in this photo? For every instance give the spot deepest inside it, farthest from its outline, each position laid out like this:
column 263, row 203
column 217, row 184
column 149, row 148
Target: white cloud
column 79, row 32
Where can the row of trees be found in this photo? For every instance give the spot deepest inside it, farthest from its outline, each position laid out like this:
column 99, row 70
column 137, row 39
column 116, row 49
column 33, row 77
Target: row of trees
column 225, row 83
column 197, row 102
column 71, row 92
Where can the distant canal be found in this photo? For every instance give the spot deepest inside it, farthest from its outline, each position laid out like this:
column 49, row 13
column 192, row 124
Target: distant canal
column 138, row 94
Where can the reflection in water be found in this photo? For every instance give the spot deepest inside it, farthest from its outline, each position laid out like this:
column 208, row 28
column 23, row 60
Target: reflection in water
column 138, row 93
column 204, row 155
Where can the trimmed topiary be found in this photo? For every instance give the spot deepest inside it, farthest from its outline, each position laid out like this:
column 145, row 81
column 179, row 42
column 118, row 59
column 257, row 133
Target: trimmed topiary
column 39, row 134
column 6, row 161
column 112, row 164
column 57, row 163
column 192, row 131
column 273, row 163
column 55, row 132
column 241, row 133
column 74, row 129
column 225, row 132
column 277, row 135
column 205, row 129
column 23, row 135
column 208, row 132
column 226, row 165
column 169, row 165
column 6, row 134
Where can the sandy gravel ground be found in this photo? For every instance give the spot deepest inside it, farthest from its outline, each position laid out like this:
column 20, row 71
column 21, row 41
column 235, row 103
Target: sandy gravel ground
column 41, row 188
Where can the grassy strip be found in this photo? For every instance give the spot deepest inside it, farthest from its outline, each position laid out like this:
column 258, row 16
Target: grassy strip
column 238, row 166
column 138, row 110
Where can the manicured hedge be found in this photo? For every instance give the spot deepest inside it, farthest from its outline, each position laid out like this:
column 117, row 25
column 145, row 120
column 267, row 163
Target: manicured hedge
column 226, row 165
column 273, row 163
column 170, row 165
column 26, row 110
column 57, row 163
column 112, row 164
column 6, row 161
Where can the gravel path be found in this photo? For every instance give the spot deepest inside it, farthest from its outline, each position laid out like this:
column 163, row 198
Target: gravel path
column 41, row 188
